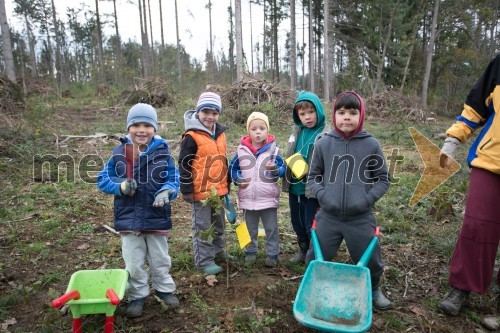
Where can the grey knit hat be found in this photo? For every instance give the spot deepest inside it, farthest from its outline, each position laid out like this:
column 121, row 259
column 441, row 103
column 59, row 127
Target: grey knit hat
column 142, row 113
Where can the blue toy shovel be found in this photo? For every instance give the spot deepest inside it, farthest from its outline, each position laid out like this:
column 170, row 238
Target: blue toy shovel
column 229, row 209
column 335, row 297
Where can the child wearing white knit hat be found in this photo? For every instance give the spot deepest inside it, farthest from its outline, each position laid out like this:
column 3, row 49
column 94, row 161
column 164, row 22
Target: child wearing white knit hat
column 255, row 169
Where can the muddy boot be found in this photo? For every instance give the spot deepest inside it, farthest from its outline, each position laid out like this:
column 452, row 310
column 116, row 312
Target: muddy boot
column 168, row 298
column 380, row 302
column 300, row 257
column 271, row 261
column 453, row 301
column 134, row 308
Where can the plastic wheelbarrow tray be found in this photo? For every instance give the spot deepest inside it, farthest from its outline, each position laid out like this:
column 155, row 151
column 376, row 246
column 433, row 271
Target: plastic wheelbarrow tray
column 94, row 292
column 335, row 297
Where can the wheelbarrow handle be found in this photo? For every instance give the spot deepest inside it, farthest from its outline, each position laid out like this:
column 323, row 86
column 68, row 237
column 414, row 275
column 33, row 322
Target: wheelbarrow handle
column 318, row 255
column 58, row 302
column 365, row 258
column 113, row 297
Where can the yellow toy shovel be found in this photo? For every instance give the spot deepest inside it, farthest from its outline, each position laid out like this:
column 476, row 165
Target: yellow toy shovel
column 243, row 235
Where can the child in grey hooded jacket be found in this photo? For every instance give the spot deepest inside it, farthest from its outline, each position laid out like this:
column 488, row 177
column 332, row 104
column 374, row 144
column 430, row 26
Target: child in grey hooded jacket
column 347, row 175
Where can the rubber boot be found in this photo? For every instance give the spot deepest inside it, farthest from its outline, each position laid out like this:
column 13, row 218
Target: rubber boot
column 300, row 256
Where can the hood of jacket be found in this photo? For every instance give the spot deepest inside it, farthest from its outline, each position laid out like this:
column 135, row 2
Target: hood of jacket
column 361, row 115
column 191, row 122
column 320, row 112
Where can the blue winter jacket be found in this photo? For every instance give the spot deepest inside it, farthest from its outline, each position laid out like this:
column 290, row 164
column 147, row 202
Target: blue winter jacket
column 155, row 171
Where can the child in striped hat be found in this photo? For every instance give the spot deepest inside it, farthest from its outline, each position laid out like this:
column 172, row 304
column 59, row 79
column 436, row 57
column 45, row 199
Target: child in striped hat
column 203, row 167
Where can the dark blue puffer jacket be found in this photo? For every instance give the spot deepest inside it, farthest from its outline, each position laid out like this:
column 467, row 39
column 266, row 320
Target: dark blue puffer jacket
column 154, row 172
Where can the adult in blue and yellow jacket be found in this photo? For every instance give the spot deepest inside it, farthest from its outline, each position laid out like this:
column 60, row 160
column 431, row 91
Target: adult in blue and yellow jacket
column 472, row 264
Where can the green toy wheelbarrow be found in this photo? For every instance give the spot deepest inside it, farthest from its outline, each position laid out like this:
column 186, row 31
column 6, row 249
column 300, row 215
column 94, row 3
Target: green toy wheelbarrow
column 335, row 297
column 93, row 292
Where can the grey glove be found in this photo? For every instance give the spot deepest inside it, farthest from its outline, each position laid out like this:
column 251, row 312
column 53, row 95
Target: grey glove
column 128, row 187
column 162, row 198
column 448, row 151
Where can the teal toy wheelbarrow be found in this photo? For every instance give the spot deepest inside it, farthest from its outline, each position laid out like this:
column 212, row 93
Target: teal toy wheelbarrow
column 335, row 297
column 92, row 292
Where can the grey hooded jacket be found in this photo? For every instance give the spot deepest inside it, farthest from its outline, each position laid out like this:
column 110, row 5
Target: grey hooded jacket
column 348, row 176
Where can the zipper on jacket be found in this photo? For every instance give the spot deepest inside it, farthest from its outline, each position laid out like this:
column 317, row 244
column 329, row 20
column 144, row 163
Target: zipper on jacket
column 343, row 182
column 484, row 144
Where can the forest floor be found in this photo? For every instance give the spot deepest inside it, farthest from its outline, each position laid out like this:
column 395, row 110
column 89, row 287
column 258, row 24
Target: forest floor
column 51, row 228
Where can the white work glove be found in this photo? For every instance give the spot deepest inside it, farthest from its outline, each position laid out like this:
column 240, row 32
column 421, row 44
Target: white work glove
column 128, row 187
column 448, row 151
column 163, row 198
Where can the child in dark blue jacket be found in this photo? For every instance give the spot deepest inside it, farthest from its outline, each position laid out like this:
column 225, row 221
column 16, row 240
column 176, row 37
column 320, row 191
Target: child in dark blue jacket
column 142, row 207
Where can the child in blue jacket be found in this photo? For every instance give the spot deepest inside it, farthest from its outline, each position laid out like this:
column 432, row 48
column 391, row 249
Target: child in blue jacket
column 142, row 207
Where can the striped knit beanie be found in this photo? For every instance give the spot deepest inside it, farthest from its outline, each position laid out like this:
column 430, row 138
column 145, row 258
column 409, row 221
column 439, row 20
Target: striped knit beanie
column 209, row 101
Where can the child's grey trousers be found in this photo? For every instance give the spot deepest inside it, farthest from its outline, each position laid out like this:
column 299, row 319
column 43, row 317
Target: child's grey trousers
column 206, row 245
column 135, row 250
column 357, row 232
column 269, row 219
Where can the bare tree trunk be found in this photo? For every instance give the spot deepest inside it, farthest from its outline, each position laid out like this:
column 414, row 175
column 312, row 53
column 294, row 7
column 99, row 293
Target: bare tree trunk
column 23, row 65
column 311, row 50
column 152, row 48
column 410, row 53
column 380, row 65
column 179, row 65
column 430, row 50
column 49, row 43
column 100, row 51
column 293, row 47
column 60, row 77
column 303, row 46
column 275, row 42
column 239, row 41
column 161, row 31
column 264, row 40
column 251, row 33
column 31, row 44
column 212, row 69
column 326, row 9
column 118, row 56
column 8, row 57
column 493, row 27
column 144, row 39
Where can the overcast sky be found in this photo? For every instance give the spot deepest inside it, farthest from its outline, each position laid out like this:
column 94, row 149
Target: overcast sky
column 194, row 30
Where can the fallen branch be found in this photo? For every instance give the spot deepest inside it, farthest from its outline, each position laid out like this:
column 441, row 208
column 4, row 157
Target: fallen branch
column 110, row 229
column 93, row 136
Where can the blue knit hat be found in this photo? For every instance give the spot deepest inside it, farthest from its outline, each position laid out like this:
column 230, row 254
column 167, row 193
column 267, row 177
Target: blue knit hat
column 142, row 113
column 210, row 101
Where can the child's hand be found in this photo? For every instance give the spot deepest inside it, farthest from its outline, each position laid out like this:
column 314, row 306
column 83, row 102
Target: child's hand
column 242, row 182
column 270, row 165
column 162, row 198
column 188, row 197
column 272, row 168
column 128, row 187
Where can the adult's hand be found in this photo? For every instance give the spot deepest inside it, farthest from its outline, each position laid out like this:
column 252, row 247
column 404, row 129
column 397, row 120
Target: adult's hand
column 448, row 151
